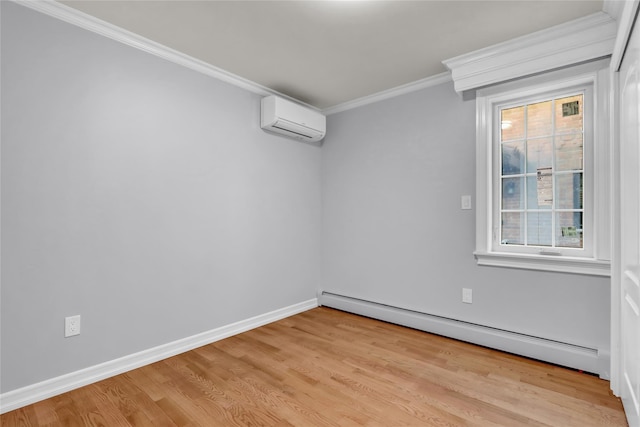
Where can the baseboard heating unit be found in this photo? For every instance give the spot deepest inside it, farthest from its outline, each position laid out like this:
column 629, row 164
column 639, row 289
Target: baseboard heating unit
column 564, row 354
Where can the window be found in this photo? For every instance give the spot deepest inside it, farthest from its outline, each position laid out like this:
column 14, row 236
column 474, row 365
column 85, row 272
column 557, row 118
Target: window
column 540, row 144
column 541, row 174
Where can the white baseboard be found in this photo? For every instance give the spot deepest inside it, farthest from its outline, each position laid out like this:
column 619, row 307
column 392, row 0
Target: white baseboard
column 564, row 354
column 18, row 398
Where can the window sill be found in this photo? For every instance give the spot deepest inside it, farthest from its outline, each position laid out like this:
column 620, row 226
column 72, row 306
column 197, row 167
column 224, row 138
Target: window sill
column 562, row 264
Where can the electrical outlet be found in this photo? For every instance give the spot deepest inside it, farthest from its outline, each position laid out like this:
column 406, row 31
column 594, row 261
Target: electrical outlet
column 467, row 295
column 71, row 326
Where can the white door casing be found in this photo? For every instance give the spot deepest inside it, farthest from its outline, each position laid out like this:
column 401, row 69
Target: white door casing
column 629, row 116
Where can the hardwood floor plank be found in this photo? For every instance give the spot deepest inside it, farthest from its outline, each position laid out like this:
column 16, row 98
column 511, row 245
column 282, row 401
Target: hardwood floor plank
column 19, row 418
column 109, row 412
column 359, row 388
column 328, row 368
column 45, row 414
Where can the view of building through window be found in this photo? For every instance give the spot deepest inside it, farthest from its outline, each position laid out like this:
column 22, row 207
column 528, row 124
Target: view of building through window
column 542, row 173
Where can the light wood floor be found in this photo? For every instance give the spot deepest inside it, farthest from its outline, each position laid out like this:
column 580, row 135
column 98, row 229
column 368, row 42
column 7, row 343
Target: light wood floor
column 329, row 368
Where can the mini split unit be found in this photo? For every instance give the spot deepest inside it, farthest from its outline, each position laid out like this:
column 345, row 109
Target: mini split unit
column 292, row 120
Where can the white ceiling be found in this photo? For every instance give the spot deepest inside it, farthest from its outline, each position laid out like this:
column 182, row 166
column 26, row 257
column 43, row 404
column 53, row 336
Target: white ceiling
column 326, row 53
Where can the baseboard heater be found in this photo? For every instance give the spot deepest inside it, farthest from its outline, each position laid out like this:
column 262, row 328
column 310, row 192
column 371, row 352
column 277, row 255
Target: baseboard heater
column 564, row 354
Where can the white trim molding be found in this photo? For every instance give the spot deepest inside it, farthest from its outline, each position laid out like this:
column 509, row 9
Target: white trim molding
column 625, row 14
column 80, row 19
column 566, row 354
column 561, row 264
column 390, row 93
column 627, row 17
column 43, row 390
column 571, row 43
column 487, row 253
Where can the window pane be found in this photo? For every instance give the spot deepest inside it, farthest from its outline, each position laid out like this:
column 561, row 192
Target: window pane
column 539, row 228
column 569, row 152
column 539, row 195
column 542, row 164
column 569, row 114
column 539, row 119
column 569, row 191
column 512, row 123
column 513, row 228
column 512, row 193
column 539, row 154
column 569, row 230
column 513, row 158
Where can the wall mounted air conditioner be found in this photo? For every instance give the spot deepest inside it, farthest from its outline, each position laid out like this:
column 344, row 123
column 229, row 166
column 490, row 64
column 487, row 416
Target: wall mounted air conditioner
column 292, row 120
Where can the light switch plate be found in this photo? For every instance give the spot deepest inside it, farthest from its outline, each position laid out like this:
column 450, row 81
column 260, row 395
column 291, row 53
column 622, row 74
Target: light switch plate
column 467, row 295
column 466, row 202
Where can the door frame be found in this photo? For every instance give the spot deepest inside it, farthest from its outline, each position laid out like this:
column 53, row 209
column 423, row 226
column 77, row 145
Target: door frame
column 626, row 21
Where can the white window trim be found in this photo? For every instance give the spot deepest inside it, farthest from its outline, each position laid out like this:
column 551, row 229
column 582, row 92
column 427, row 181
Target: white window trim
column 598, row 264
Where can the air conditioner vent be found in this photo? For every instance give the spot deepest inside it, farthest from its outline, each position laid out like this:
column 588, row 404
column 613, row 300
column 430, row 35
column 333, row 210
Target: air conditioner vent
column 292, row 120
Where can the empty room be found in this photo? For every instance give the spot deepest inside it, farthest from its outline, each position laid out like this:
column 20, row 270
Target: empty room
column 320, row 213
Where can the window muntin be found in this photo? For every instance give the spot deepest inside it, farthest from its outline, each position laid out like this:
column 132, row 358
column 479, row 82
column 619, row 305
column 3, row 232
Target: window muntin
column 540, row 148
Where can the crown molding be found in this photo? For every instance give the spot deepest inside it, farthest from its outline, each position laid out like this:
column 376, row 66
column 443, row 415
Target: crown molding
column 85, row 21
column 390, row 93
column 113, row 32
column 614, row 8
column 625, row 16
column 576, row 41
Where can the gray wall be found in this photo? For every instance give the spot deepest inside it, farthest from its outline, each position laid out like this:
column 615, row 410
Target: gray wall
column 140, row 195
column 394, row 233
column 144, row 197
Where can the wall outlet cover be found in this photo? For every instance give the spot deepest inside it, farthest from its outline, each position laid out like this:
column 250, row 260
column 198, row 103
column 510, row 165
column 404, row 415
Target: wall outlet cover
column 71, row 326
